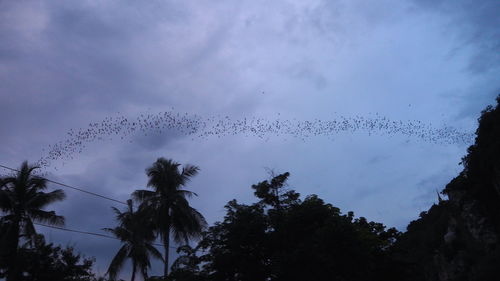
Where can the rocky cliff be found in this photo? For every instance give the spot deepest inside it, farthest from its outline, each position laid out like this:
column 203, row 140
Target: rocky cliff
column 458, row 239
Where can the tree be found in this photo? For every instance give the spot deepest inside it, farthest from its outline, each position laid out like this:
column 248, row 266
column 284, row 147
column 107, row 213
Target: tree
column 22, row 200
column 273, row 193
column 237, row 248
column 167, row 204
column 136, row 233
column 187, row 266
column 45, row 261
column 284, row 238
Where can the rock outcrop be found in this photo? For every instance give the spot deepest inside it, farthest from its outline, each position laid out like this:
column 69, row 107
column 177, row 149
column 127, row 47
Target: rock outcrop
column 458, row 239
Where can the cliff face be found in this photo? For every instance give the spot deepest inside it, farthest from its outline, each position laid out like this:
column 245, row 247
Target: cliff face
column 458, row 239
column 469, row 248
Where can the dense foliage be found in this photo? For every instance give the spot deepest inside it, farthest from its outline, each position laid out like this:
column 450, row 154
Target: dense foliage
column 48, row 262
column 22, row 202
column 284, row 238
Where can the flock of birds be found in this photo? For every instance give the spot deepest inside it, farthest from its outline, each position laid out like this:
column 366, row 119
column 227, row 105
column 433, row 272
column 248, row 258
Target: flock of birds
column 196, row 126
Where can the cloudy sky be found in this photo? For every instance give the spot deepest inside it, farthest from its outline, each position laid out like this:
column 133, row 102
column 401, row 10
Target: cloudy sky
column 67, row 64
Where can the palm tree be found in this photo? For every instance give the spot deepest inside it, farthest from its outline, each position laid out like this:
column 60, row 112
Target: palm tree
column 167, row 204
column 136, row 233
column 22, row 200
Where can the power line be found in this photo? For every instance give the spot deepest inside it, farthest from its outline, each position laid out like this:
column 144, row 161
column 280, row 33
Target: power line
column 94, row 234
column 76, row 231
column 72, row 187
column 88, row 233
column 84, row 191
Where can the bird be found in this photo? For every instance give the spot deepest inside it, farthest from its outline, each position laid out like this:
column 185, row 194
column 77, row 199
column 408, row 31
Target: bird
column 121, row 127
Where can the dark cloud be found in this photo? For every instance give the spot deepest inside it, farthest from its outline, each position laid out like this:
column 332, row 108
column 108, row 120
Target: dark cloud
column 475, row 25
column 476, row 22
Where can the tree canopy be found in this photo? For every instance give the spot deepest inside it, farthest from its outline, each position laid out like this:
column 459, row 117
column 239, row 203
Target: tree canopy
column 284, row 238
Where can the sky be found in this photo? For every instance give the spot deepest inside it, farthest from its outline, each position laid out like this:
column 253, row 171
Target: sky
column 69, row 67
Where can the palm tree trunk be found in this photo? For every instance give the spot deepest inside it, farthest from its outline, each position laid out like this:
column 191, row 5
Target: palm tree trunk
column 166, row 244
column 14, row 274
column 134, row 266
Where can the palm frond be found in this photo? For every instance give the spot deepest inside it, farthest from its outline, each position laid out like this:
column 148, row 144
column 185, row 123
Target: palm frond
column 41, row 199
column 116, row 211
column 154, row 252
column 185, row 193
column 29, row 169
column 107, row 229
column 188, row 171
column 187, row 223
column 37, row 183
column 117, row 263
column 48, row 217
column 119, row 232
column 142, row 195
column 130, row 206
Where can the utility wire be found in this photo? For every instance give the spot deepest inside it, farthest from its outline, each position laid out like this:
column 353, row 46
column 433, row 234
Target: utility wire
column 88, row 233
column 96, row 234
column 84, row 191
column 72, row 187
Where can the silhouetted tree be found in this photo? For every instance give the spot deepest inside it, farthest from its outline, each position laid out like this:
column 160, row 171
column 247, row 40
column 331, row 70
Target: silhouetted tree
column 22, row 200
column 41, row 261
column 136, row 233
column 237, row 247
column 274, row 193
column 284, row 238
column 167, row 204
column 187, row 266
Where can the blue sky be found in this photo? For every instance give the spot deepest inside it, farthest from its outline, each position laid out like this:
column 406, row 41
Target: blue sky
column 65, row 64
